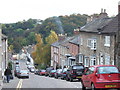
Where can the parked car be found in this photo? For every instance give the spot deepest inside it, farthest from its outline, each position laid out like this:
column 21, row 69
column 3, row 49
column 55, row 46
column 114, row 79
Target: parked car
column 52, row 73
column 58, row 73
column 17, row 62
column 42, row 72
column 32, row 70
column 27, row 63
column 16, row 71
column 75, row 72
column 48, row 71
column 37, row 72
column 101, row 76
column 63, row 73
column 23, row 73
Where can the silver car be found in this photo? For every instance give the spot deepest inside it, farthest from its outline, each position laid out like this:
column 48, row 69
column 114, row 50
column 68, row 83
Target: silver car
column 23, row 73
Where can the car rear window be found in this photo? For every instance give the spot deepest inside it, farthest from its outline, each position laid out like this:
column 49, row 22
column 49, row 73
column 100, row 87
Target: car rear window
column 78, row 67
column 107, row 69
column 43, row 70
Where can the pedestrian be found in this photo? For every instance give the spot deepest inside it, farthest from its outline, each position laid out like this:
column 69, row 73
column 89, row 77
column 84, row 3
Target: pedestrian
column 7, row 73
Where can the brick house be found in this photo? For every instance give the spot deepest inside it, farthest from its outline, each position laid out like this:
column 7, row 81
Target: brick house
column 55, row 60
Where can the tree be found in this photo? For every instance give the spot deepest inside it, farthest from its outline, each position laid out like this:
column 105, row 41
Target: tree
column 37, row 54
column 51, row 38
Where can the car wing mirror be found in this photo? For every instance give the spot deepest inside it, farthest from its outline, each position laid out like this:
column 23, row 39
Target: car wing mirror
column 98, row 75
column 68, row 70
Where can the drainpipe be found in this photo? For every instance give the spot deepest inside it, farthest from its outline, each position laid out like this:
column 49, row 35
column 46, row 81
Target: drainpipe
column 0, row 57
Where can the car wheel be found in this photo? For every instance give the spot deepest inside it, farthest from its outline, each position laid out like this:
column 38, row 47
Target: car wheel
column 79, row 79
column 67, row 79
column 83, row 87
column 71, row 79
column 93, row 87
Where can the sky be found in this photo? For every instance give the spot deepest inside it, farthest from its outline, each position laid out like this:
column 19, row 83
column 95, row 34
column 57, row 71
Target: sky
column 12, row 11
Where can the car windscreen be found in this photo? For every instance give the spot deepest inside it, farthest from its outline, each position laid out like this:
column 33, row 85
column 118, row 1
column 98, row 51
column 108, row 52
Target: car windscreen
column 24, row 71
column 78, row 67
column 59, row 70
column 53, row 71
column 43, row 70
column 107, row 70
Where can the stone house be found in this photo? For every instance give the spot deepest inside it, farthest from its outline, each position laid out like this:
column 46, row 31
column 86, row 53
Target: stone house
column 98, row 40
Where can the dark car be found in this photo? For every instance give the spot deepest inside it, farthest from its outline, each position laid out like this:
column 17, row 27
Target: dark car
column 101, row 77
column 58, row 73
column 17, row 62
column 37, row 72
column 75, row 72
column 48, row 71
column 52, row 73
column 63, row 73
column 17, row 69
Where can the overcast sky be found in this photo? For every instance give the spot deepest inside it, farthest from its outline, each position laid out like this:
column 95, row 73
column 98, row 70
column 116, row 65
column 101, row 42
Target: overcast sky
column 17, row 10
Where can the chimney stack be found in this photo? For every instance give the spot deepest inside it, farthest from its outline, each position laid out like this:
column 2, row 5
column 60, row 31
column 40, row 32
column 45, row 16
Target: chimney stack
column 118, row 7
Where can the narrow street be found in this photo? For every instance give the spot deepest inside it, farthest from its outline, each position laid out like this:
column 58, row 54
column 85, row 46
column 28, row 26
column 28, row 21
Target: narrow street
column 36, row 81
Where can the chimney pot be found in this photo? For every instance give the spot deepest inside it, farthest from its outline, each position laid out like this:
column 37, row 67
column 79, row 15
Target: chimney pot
column 119, row 7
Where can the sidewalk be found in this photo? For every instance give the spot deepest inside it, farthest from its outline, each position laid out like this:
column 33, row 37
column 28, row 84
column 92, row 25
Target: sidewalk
column 12, row 84
column 1, row 84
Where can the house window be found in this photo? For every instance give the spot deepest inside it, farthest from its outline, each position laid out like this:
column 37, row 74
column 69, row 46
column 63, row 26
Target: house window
column 101, row 59
column 81, row 41
column 80, row 58
column 107, row 59
column 107, row 41
column 93, row 60
column 86, row 63
column 92, row 43
column 89, row 42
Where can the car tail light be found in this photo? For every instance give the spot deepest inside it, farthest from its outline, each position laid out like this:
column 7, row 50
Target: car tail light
column 64, row 73
column 72, row 72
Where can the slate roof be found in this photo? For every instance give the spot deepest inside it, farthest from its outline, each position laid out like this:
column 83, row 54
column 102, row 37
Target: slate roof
column 61, row 42
column 112, row 26
column 96, row 24
column 75, row 40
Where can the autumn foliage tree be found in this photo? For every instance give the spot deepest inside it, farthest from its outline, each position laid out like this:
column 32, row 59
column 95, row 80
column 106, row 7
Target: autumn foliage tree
column 43, row 52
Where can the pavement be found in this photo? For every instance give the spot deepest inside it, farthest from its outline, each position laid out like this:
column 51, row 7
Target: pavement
column 1, row 84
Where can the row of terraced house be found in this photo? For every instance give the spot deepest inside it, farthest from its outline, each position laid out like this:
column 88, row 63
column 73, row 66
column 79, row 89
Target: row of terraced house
column 96, row 43
column 3, row 55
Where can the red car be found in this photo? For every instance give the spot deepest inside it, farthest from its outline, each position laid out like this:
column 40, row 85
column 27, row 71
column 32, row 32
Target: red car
column 101, row 76
column 42, row 72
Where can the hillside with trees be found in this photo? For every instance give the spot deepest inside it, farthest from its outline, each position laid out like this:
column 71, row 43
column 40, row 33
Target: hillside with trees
column 24, row 33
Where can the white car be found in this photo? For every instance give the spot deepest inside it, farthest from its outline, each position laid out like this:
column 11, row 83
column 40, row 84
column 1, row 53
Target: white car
column 27, row 63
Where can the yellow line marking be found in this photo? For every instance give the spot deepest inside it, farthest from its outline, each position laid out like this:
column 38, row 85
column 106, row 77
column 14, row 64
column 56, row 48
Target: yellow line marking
column 19, row 84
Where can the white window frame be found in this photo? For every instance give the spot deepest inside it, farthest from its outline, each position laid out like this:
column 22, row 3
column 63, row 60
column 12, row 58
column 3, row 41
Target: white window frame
column 92, row 61
column 92, row 43
column 81, row 57
column 101, row 59
column 86, row 62
column 107, row 59
column 107, row 41
column 89, row 42
column 81, row 41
